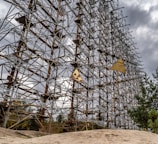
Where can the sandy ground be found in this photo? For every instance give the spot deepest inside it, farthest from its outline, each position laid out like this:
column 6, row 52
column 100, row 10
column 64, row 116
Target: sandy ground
column 106, row 136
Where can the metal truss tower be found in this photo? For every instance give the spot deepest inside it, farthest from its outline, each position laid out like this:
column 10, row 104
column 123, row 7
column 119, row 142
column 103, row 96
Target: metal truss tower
column 72, row 58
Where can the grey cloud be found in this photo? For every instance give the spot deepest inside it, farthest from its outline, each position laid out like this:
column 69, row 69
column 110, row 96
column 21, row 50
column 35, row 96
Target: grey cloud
column 147, row 48
column 153, row 8
column 147, row 45
column 136, row 16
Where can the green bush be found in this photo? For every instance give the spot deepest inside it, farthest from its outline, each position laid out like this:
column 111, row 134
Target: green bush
column 153, row 121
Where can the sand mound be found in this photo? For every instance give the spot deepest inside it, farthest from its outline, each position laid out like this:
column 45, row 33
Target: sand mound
column 105, row 136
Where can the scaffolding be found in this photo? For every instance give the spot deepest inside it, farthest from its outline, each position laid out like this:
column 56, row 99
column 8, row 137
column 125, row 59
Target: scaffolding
column 71, row 58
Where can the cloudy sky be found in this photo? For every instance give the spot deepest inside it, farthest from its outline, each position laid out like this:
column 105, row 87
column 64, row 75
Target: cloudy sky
column 143, row 20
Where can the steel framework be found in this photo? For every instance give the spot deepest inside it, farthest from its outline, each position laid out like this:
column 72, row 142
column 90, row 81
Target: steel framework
column 62, row 57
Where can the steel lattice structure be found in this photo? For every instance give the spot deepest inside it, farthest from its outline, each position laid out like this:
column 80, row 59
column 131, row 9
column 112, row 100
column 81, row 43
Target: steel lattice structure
column 56, row 58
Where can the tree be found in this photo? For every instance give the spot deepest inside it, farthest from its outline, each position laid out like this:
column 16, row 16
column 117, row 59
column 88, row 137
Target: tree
column 146, row 100
column 155, row 76
column 140, row 113
column 153, row 120
column 60, row 118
